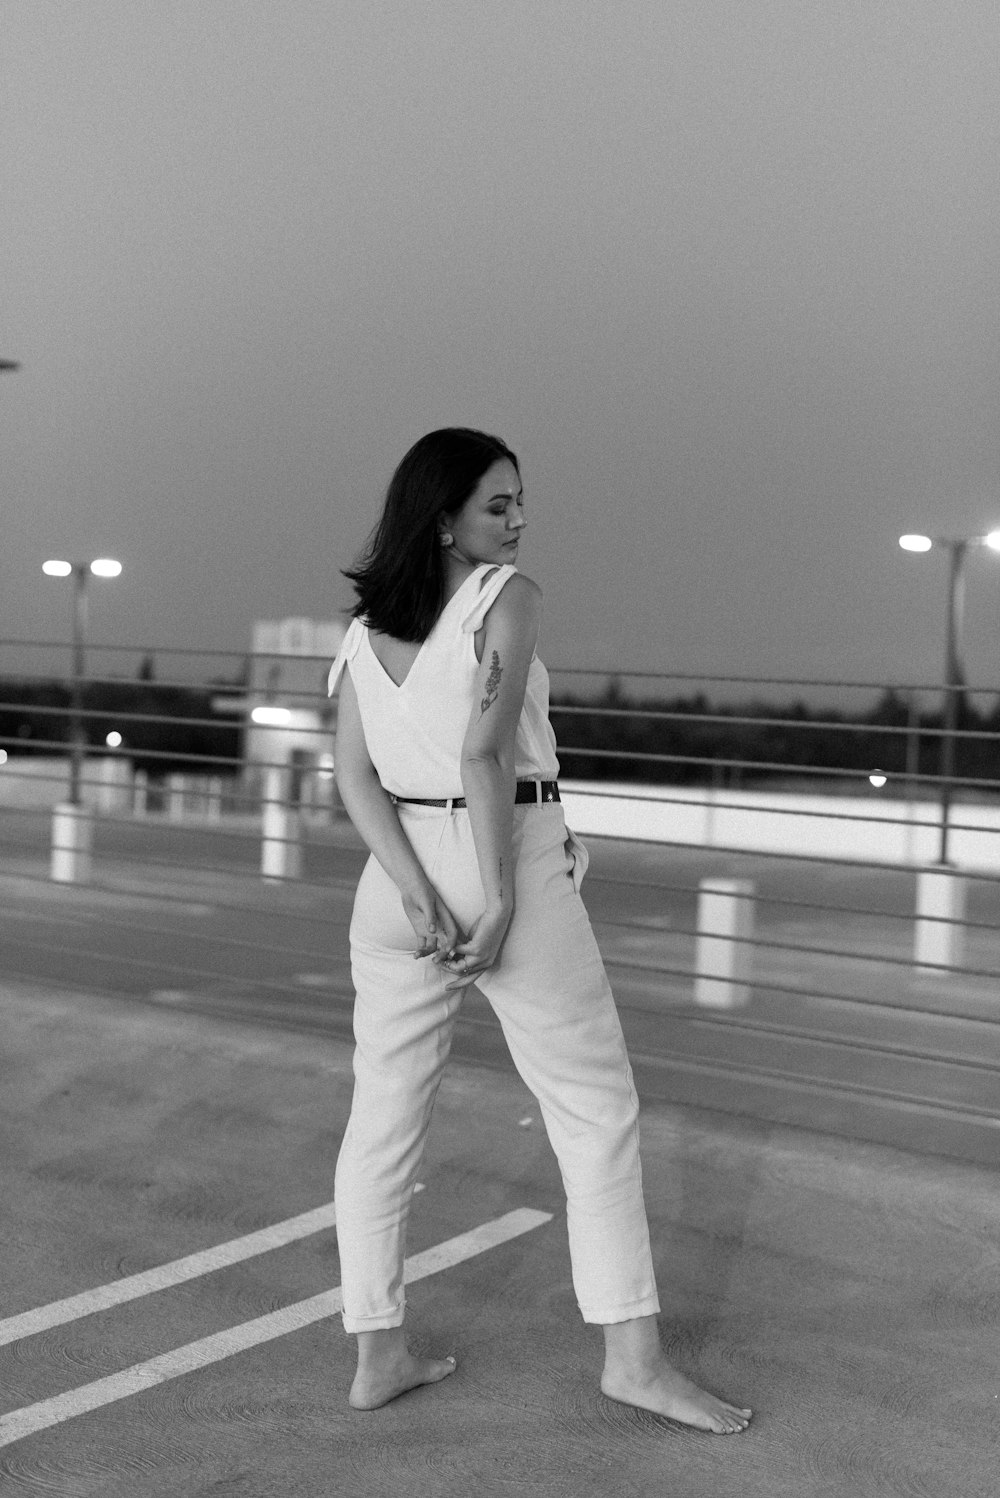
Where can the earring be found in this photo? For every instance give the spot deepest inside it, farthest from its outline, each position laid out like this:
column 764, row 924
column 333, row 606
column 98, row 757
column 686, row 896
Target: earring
column 447, row 539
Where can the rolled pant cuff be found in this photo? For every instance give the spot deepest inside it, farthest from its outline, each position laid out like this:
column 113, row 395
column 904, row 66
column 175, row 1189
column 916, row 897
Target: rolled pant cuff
column 609, row 1315
column 380, row 1323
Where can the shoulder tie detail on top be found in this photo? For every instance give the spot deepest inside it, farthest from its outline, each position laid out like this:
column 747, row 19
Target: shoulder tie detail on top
column 349, row 647
column 474, row 615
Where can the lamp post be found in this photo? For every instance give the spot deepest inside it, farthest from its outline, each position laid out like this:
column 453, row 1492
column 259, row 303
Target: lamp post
column 71, row 829
column 958, row 549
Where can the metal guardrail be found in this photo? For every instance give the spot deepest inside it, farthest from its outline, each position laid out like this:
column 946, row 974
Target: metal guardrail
column 243, row 786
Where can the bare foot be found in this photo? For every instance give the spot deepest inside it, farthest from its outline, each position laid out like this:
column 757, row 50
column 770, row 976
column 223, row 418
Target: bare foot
column 665, row 1391
column 377, row 1385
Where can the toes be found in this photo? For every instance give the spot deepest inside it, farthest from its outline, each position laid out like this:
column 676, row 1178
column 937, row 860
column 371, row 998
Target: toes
column 733, row 1419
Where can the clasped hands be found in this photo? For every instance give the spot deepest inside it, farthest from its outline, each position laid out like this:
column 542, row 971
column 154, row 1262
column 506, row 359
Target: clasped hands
column 442, row 941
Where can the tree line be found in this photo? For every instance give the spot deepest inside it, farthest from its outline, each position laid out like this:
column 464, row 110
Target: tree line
column 165, row 728
column 698, row 744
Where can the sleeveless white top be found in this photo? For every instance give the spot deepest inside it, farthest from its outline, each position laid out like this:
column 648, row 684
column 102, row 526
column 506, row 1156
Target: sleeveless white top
column 414, row 732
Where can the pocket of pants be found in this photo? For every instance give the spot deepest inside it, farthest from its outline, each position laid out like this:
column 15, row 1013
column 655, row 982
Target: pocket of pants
column 577, row 851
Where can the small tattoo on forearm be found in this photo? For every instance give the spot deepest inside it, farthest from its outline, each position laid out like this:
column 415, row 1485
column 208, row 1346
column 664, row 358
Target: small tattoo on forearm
column 492, row 684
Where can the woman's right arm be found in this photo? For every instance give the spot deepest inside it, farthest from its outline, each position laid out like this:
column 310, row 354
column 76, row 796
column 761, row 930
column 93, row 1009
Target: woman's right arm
column 370, row 809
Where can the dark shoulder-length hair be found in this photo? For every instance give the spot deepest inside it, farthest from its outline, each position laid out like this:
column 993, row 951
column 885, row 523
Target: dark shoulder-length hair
column 399, row 578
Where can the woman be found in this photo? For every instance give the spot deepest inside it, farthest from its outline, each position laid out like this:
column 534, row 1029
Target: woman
column 445, row 762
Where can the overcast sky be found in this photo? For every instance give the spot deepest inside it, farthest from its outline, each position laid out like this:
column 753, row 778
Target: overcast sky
column 723, row 272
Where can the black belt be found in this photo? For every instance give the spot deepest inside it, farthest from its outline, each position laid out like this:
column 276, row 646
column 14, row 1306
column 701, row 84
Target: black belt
column 548, row 790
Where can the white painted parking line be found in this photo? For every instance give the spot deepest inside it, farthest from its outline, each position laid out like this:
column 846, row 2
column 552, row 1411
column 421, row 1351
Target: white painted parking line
column 35, row 1417
column 29, row 1323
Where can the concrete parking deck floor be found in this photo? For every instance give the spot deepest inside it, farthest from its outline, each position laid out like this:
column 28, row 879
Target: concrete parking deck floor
column 848, row 1292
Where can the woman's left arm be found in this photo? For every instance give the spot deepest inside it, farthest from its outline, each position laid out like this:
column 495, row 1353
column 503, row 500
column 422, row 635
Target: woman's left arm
column 370, row 809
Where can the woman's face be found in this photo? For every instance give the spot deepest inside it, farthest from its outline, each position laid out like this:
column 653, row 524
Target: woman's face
column 488, row 526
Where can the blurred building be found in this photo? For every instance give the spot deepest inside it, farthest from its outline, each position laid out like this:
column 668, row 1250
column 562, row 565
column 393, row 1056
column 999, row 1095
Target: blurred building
column 289, row 718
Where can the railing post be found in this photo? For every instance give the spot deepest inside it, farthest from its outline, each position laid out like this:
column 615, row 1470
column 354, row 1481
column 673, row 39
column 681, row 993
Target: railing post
column 281, row 845
column 723, row 956
column 940, row 928
column 213, row 800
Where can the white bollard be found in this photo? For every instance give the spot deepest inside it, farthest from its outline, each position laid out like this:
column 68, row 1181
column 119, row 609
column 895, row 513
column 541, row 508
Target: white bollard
column 723, row 955
column 281, row 846
column 72, row 840
column 176, row 787
column 140, row 793
column 114, row 785
column 106, row 785
column 940, row 929
column 327, row 799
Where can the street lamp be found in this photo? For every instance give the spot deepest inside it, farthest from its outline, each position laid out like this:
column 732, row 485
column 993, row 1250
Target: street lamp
column 958, row 547
column 101, row 567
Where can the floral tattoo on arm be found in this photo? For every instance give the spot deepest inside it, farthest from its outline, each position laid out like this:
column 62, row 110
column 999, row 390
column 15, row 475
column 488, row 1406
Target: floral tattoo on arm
column 492, row 684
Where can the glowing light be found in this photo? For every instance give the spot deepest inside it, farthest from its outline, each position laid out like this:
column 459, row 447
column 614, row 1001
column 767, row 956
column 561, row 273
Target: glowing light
column 916, row 543
column 993, row 540
column 57, row 569
column 114, row 739
column 271, row 717
column 3, row 756
column 877, row 779
column 105, row 567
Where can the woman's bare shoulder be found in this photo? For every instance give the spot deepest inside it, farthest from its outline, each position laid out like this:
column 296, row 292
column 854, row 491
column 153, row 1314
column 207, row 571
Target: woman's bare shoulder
column 518, row 603
column 522, row 590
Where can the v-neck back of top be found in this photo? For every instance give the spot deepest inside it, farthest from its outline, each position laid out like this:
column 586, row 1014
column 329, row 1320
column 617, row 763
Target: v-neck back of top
column 459, row 591
column 414, row 730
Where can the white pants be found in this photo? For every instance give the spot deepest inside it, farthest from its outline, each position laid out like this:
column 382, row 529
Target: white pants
column 551, row 994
